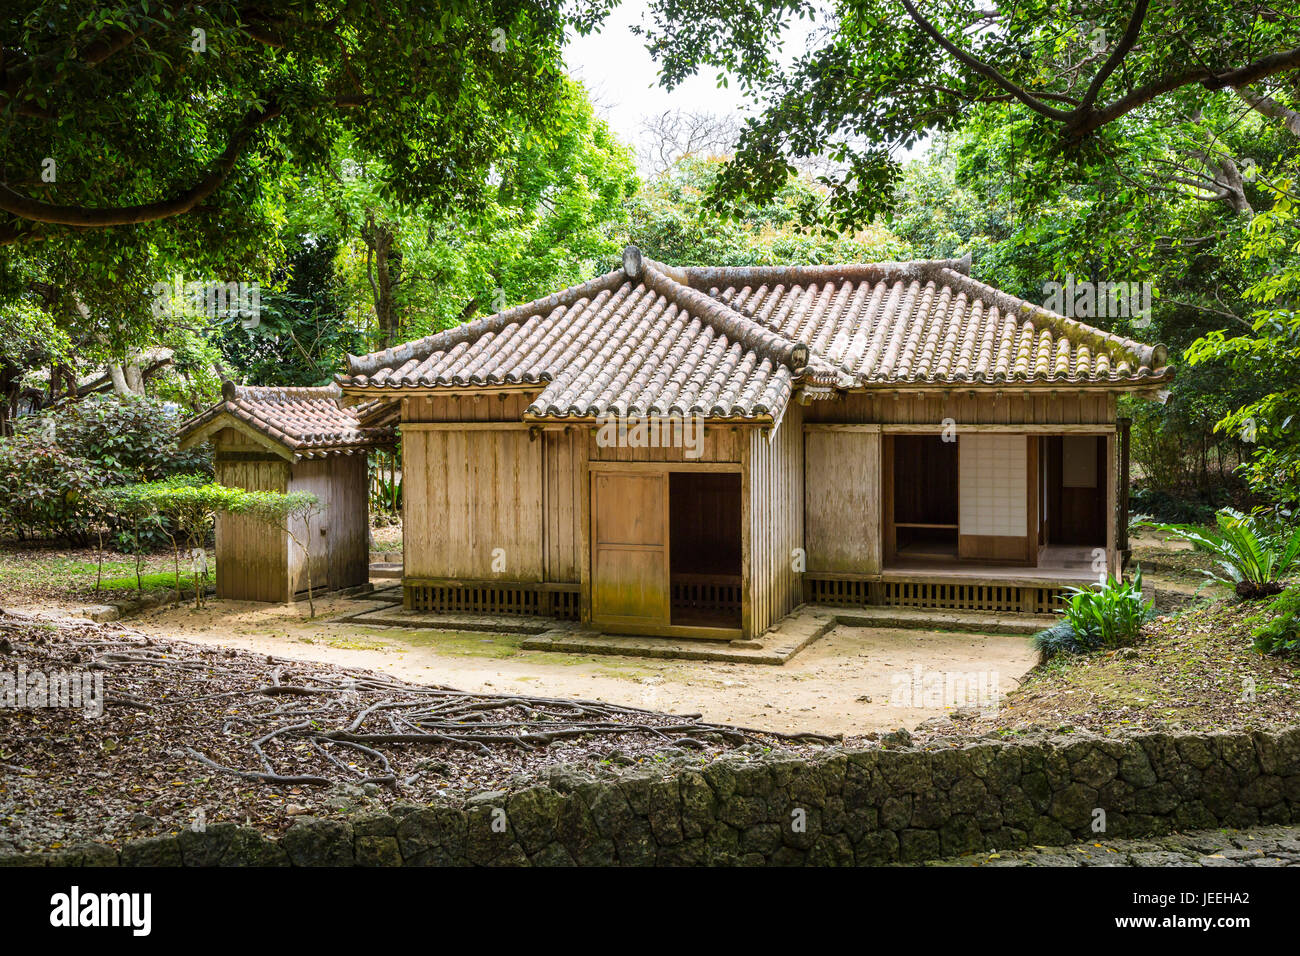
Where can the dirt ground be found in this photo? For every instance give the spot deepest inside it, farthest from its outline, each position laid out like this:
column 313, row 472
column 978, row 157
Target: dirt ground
column 853, row 681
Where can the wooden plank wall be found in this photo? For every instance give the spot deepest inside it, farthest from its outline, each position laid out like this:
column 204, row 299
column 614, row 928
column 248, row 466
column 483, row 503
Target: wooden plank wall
column 564, row 471
column 251, row 556
column 842, row 483
column 773, row 522
column 505, row 406
column 467, row 493
column 1013, row 408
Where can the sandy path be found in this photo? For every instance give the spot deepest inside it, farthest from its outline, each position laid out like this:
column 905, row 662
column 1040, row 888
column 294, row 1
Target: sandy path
column 853, row 681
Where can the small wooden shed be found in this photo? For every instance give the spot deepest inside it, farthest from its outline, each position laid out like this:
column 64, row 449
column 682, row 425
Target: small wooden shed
column 290, row 439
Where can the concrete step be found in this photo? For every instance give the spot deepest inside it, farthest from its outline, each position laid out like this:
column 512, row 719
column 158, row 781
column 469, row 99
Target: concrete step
column 782, row 642
column 937, row 619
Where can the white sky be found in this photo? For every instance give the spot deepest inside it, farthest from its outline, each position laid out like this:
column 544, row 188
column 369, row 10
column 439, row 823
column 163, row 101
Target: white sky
column 622, row 79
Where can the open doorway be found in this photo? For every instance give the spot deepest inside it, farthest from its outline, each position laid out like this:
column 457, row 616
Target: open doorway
column 924, row 497
column 1073, row 493
column 705, row 549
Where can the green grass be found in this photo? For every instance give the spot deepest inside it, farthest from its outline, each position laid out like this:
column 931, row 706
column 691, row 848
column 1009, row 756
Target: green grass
column 37, row 574
column 153, row 581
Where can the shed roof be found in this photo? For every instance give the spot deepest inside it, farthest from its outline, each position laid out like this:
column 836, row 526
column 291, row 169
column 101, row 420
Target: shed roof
column 302, row 422
column 735, row 342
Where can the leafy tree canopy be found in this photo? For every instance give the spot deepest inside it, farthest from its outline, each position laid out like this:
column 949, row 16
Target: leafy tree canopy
column 117, row 114
column 671, row 220
column 884, row 73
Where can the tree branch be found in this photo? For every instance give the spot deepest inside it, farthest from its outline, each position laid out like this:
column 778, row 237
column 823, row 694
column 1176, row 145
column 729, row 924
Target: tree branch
column 1271, row 108
column 1117, row 55
column 980, row 67
column 35, row 211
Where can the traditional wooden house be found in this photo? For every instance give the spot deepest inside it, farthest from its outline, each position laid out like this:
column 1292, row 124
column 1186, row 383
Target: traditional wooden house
column 290, row 439
column 694, row 452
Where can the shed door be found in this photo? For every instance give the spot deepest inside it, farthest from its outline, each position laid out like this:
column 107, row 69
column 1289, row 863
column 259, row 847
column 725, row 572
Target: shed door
column 629, row 522
column 312, row 476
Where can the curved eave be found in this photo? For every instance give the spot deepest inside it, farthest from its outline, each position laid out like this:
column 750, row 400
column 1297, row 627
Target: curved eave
column 1125, row 383
column 594, row 421
column 378, row 391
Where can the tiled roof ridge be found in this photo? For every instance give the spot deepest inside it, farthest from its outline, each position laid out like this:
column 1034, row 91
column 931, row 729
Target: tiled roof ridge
column 707, row 277
column 254, row 405
column 231, row 392
column 421, row 349
column 818, row 368
column 736, row 326
column 1151, row 357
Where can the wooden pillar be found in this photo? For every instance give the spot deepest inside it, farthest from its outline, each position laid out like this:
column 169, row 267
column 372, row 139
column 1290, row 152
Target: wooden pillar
column 1124, row 423
column 1112, row 509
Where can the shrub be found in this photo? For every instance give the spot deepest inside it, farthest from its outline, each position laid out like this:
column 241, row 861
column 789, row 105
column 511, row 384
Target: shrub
column 1279, row 630
column 1162, row 505
column 1059, row 639
column 1094, row 618
column 189, row 505
column 54, row 460
column 1254, row 553
column 43, row 489
column 127, row 438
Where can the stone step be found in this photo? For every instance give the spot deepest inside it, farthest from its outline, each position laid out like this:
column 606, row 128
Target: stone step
column 937, row 619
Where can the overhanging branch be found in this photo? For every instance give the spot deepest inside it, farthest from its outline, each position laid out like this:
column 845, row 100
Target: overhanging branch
column 33, row 210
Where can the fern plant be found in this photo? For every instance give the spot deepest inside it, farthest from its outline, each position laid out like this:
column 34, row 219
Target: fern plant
column 1279, row 627
column 1253, row 558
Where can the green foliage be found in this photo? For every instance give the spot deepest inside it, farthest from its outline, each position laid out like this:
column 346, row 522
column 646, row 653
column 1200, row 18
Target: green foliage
column 1254, row 553
column 671, row 221
column 43, row 489
column 1278, row 628
column 188, row 505
column 385, row 483
column 1061, row 638
column 303, row 330
column 54, row 460
column 550, row 215
column 127, row 438
column 1105, row 617
column 1270, row 349
column 1150, row 503
column 273, row 507
column 437, row 94
column 881, row 74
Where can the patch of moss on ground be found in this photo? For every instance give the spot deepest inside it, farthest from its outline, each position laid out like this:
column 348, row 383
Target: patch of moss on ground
column 463, row 643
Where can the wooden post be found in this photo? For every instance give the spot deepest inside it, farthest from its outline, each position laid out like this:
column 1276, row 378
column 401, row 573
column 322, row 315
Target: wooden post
column 1124, row 423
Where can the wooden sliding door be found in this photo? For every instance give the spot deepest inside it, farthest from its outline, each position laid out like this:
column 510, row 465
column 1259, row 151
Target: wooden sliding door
column 629, row 532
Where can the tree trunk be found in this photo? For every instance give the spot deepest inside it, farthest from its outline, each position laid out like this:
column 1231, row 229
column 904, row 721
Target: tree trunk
column 382, row 265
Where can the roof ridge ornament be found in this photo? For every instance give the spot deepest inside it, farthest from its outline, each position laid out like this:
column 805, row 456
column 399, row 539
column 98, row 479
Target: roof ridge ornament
column 632, row 261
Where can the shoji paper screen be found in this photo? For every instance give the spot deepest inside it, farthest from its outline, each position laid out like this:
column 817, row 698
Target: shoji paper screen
column 993, row 494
